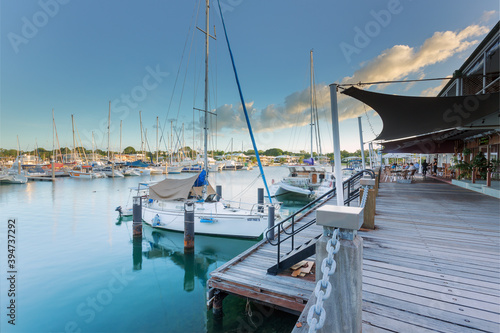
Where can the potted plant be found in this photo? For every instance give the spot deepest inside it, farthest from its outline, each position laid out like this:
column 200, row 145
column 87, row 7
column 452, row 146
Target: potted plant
column 463, row 168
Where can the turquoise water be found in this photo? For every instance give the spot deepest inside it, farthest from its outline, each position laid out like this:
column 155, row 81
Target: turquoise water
column 79, row 270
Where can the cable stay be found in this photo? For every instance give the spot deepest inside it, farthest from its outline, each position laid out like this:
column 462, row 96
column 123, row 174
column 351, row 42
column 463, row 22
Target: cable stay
column 243, row 105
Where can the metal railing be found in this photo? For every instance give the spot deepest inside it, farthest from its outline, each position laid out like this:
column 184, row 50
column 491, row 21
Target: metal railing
column 351, row 188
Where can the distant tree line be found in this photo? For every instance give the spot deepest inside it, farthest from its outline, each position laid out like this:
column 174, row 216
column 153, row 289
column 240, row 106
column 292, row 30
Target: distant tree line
column 44, row 153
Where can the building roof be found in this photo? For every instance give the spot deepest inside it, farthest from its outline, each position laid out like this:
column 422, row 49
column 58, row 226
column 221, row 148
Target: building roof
column 473, row 55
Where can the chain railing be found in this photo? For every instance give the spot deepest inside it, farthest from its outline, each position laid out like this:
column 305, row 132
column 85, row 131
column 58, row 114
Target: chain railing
column 317, row 315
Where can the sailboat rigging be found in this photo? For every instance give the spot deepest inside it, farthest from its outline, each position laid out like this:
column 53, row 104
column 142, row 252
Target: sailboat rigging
column 164, row 208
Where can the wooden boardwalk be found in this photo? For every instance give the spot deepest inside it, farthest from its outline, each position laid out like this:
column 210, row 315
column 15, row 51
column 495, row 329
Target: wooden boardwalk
column 432, row 264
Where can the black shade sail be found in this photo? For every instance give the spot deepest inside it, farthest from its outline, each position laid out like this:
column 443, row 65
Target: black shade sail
column 406, row 116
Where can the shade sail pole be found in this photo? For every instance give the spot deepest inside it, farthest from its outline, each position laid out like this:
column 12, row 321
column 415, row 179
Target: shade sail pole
column 361, row 142
column 336, row 145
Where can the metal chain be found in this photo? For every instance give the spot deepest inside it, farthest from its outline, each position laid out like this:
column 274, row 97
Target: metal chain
column 328, row 269
column 365, row 196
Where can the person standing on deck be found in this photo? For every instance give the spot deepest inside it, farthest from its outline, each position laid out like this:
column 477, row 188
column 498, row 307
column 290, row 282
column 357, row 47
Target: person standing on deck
column 435, row 167
column 424, row 167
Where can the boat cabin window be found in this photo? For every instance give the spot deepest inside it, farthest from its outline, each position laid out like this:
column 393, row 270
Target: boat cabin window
column 211, row 198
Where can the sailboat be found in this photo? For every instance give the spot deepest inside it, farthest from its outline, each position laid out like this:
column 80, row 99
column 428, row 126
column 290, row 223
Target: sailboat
column 164, row 207
column 81, row 171
column 108, row 169
column 306, row 182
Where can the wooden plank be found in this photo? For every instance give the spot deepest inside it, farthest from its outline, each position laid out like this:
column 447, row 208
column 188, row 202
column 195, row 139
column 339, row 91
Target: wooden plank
column 432, row 264
column 437, row 281
column 433, row 303
column 431, row 294
column 413, row 319
column 492, row 286
column 393, row 324
column 434, row 287
column 432, row 312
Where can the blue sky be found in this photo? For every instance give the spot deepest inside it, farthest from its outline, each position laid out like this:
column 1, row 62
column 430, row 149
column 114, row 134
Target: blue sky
column 76, row 56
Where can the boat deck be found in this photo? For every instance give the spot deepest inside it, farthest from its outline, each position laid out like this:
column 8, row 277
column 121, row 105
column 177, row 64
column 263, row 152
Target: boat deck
column 431, row 264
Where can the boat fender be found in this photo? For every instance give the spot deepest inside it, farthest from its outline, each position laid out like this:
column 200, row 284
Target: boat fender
column 156, row 221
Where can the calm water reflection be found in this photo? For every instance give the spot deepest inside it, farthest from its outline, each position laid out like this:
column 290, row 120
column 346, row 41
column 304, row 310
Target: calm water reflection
column 80, row 270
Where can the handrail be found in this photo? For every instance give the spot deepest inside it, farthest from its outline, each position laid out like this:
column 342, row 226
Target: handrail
column 283, row 225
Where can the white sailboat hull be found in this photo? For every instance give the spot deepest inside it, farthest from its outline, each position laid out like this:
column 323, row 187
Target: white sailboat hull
column 131, row 172
column 155, row 170
column 12, row 179
column 282, row 189
column 144, row 172
column 174, row 170
column 209, row 219
column 116, row 173
column 86, row 175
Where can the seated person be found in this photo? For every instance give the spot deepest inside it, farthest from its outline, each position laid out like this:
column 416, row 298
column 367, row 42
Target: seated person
column 412, row 167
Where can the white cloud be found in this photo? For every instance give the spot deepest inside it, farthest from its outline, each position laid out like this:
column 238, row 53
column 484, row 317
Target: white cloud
column 433, row 91
column 395, row 63
column 488, row 15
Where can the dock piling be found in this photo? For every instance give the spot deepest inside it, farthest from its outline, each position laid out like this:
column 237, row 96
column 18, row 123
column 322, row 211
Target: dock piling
column 137, row 254
column 218, row 190
column 370, row 204
column 270, row 222
column 53, row 170
column 188, row 226
column 137, row 216
column 343, row 308
column 217, row 304
column 189, row 267
column 260, row 199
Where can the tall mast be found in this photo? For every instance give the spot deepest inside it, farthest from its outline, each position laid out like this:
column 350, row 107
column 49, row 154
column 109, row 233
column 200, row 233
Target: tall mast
column 109, row 124
column 142, row 140
column 171, row 140
column 312, row 122
column 121, row 121
column 156, row 139
column 19, row 166
column 74, row 145
column 93, row 153
column 53, row 139
column 207, row 35
column 146, row 139
column 57, row 137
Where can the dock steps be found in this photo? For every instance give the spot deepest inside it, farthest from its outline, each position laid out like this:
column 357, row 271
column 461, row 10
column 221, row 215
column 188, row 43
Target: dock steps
column 296, row 255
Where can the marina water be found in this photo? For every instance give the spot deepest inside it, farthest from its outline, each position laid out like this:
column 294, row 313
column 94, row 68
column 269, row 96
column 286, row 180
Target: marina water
column 79, row 269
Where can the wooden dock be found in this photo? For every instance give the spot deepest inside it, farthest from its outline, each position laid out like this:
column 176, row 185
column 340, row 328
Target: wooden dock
column 432, row 263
